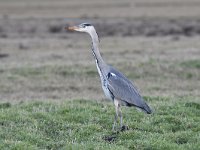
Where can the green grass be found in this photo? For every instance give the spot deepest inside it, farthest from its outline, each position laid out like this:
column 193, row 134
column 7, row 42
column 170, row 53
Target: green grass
column 86, row 124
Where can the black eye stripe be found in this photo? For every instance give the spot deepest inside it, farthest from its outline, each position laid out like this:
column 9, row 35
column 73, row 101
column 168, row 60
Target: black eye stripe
column 86, row 24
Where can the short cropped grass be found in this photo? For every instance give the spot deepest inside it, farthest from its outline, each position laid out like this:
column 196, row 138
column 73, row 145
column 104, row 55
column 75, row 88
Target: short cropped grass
column 87, row 124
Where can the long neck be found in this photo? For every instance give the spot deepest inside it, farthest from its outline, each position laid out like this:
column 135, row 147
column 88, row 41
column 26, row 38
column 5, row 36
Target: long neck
column 95, row 49
column 100, row 64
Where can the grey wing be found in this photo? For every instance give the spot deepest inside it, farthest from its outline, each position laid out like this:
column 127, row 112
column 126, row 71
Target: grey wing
column 124, row 90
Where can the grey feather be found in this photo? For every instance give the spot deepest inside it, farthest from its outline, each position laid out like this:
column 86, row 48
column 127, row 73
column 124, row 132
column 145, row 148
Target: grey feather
column 124, row 90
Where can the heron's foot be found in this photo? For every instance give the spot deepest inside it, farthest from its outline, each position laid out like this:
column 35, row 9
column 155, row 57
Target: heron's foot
column 124, row 128
column 114, row 129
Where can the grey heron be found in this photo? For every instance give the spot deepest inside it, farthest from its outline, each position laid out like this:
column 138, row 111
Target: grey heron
column 115, row 85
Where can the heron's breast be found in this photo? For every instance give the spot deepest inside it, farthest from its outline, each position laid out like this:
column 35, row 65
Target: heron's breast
column 107, row 92
column 104, row 83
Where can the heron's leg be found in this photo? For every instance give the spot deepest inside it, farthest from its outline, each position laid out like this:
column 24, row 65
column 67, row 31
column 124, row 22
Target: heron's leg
column 116, row 113
column 123, row 127
column 121, row 117
column 115, row 121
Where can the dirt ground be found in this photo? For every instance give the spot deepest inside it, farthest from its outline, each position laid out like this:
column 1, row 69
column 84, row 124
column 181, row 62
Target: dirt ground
column 155, row 43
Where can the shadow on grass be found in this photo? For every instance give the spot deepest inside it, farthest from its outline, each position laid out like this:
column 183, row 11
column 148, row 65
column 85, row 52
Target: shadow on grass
column 5, row 105
column 193, row 105
column 111, row 138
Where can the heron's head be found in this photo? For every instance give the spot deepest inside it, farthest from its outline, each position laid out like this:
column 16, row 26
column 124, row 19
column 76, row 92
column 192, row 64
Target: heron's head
column 84, row 27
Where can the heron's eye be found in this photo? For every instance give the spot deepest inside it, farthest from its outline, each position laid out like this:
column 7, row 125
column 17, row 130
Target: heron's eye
column 83, row 26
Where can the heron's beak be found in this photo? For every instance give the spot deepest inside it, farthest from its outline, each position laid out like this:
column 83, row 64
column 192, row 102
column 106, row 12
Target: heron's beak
column 72, row 28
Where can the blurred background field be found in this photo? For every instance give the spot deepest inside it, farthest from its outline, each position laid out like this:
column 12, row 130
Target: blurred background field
column 155, row 43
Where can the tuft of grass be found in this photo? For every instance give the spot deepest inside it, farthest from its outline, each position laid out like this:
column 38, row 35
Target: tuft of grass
column 87, row 124
column 5, row 105
column 193, row 105
column 191, row 64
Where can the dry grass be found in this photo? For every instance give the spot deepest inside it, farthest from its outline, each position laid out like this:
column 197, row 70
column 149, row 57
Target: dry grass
column 64, row 68
column 38, row 60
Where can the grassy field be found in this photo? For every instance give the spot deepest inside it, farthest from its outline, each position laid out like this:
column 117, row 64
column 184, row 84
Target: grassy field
column 50, row 93
column 87, row 124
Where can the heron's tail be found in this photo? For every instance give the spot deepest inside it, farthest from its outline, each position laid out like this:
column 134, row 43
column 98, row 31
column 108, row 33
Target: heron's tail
column 142, row 106
column 146, row 108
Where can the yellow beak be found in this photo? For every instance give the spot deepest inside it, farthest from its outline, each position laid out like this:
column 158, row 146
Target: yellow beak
column 73, row 28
